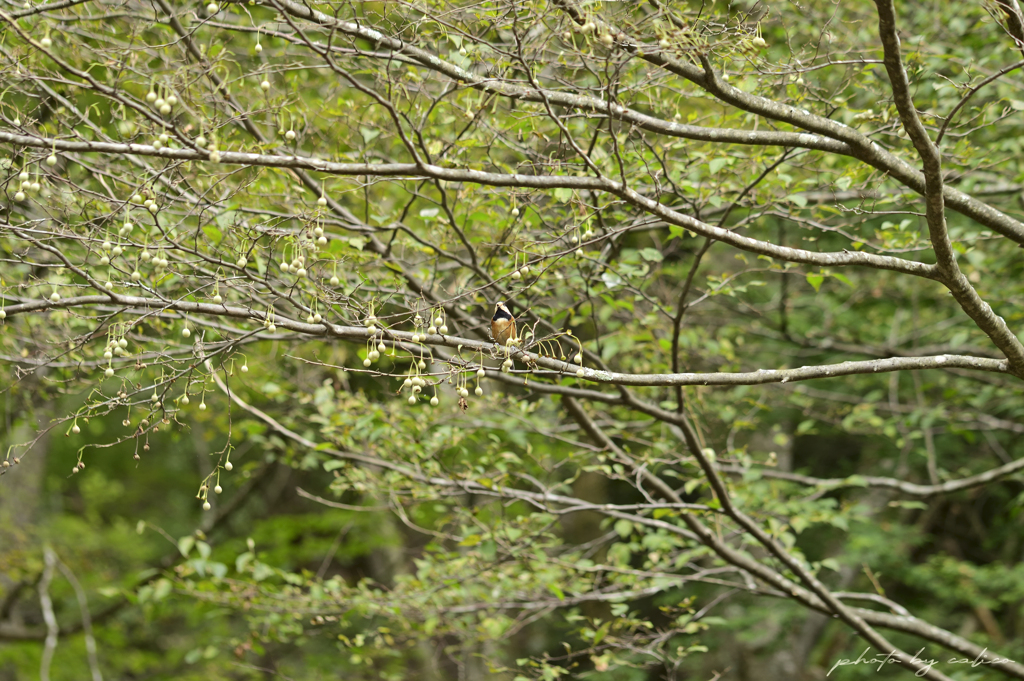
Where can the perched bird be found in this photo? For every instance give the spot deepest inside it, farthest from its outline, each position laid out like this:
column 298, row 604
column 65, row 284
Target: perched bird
column 503, row 324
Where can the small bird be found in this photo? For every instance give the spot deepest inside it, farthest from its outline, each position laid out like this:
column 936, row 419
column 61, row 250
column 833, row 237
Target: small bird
column 503, row 324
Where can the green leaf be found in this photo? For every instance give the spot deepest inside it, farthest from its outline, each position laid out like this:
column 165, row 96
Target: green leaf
column 908, row 503
column 623, row 528
column 226, row 219
column 610, row 279
column 798, row 199
column 562, row 194
column 843, row 278
column 619, row 554
column 557, row 590
column 471, row 540
column 185, row 545
column 262, row 571
column 815, row 281
column 243, row 560
column 162, row 589
column 717, row 164
column 651, row 254
column 369, row 134
column 213, row 234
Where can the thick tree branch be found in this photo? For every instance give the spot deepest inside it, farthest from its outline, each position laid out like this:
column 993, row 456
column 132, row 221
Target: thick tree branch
column 559, row 367
column 976, row 308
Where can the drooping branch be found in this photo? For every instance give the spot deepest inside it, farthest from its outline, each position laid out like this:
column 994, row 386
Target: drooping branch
column 546, row 182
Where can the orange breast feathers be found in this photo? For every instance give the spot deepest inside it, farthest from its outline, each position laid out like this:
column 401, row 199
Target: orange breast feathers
column 503, row 324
